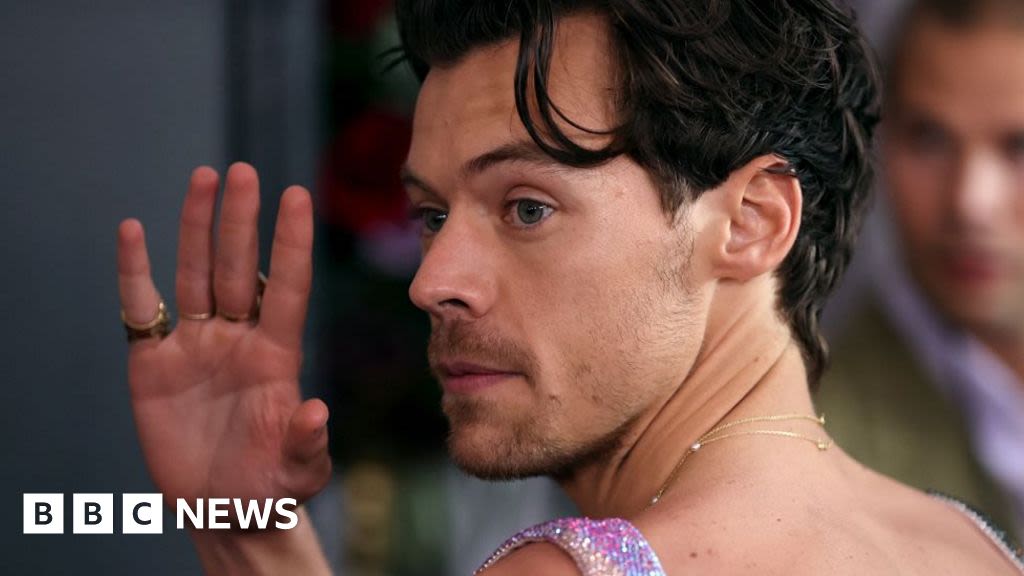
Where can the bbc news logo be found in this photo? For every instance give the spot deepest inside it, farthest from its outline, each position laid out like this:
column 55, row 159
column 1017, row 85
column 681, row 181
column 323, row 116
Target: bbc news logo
column 144, row 513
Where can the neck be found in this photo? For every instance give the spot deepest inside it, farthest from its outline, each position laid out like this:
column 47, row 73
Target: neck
column 750, row 367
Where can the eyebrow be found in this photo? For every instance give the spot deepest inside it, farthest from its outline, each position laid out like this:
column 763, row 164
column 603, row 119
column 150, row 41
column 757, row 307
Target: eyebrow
column 519, row 152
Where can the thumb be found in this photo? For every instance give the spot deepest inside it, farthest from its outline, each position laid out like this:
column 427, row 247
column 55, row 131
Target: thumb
column 307, row 464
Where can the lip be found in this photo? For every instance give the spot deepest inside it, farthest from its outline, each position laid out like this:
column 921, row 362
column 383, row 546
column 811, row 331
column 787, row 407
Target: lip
column 461, row 377
column 972, row 268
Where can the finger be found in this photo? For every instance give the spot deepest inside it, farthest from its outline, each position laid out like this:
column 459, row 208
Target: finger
column 237, row 250
column 286, row 297
column 193, row 282
column 307, row 462
column 139, row 296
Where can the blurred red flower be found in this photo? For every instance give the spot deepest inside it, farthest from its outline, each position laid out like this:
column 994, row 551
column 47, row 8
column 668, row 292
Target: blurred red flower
column 360, row 185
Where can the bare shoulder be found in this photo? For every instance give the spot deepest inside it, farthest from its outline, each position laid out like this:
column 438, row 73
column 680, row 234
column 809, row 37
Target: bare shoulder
column 539, row 558
column 746, row 534
column 949, row 533
column 874, row 526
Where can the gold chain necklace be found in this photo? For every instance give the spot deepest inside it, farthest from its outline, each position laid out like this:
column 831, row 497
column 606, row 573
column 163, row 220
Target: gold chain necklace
column 715, row 434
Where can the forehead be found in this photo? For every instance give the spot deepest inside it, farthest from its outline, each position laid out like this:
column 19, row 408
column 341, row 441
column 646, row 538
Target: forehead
column 469, row 107
column 972, row 76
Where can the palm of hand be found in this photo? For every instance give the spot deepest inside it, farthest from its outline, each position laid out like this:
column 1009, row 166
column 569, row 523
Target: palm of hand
column 217, row 403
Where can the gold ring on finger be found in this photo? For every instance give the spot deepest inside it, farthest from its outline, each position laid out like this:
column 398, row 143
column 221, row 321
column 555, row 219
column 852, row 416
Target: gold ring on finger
column 155, row 328
column 253, row 314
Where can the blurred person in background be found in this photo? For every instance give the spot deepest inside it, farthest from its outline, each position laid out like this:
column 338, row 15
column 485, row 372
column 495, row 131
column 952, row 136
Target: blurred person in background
column 927, row 383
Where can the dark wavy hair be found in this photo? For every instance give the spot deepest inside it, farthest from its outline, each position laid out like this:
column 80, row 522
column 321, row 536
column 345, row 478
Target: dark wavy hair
column 707, row 86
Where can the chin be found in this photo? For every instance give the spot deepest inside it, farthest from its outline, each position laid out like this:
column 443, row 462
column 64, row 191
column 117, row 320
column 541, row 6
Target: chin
column 973, row 312
column 968, row 306
column 491, row 451
column 983, row 320
column 480, row 450
column 490, row 443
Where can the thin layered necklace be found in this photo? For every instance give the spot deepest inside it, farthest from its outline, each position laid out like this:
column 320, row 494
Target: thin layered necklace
column 725, row 431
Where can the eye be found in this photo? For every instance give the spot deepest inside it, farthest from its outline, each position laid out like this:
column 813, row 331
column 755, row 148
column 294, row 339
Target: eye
column 526, row 213
column 1015, row 147
column 928, row 138
column 432, row 219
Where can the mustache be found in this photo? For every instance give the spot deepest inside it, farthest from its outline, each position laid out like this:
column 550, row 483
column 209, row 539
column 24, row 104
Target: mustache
column 467, row 343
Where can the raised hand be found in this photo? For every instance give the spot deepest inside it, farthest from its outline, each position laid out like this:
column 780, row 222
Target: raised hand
column 217, row 401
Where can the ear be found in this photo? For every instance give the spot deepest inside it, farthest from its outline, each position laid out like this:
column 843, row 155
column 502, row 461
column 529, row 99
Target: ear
column 762, row 206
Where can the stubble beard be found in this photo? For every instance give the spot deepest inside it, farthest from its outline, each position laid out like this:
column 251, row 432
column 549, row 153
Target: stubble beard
column 996, row 316
column 518, row 449
column 486, row 440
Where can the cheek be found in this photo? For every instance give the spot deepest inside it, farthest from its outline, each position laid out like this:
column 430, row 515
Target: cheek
column 915, row 196
column 1015, row 211
column 583, row 324
column 615, row 325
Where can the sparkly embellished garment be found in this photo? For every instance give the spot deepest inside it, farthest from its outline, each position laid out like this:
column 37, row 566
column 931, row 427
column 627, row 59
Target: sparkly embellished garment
column 611, row 547
column 614, row 547
column 998, row 537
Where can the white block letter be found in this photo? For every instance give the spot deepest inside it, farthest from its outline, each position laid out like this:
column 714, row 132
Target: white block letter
column 142, row 514
column 92, row 514
column 290, row 514
column 43, row 514
column 218, row 509
column 253, row 509
column 196, row 517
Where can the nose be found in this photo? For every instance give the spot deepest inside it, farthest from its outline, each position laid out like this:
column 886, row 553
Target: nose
column 456, row 280
column 979, row 191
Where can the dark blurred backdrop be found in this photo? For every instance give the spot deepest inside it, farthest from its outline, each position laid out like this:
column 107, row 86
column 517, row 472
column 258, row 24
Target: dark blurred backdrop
column 105, row 108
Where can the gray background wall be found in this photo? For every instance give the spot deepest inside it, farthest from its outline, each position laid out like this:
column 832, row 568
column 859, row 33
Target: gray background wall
column 105, row 107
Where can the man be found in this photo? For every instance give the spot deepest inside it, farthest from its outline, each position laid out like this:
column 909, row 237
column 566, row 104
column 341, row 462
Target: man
column 928, row 385
column 632, row 213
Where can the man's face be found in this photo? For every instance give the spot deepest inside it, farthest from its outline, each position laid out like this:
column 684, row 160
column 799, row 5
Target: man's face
column 559, row 298
column 954, row 153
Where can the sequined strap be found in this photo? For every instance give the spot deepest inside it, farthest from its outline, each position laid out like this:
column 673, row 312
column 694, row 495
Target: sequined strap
column 612, row 547
column 998, row 537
